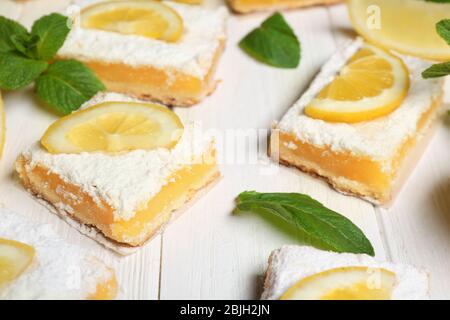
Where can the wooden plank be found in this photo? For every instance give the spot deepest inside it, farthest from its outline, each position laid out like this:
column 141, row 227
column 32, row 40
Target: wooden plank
column 209, row 253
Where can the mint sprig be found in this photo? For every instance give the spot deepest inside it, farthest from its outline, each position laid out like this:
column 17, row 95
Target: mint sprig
column 8, row 30
column 67, row 84
column 52, row 31
column 323, row 227
column 273, row 43
column 28, row 56
column 17, row 71
column 440, row 69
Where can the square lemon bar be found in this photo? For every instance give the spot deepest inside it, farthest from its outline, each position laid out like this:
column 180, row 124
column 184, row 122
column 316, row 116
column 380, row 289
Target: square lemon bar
column 360, row 158
column 245, row 6
column 177, row 72
column 121, row 199
column 36, row 263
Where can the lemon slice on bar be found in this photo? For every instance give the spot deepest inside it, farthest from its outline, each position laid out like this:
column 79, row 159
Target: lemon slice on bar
column 2, row 127
column 15, row 257
column 190, row 1
column 347, row 283
column 147, row 18
column 372, row 84
column 407, row 26
column 113, row 127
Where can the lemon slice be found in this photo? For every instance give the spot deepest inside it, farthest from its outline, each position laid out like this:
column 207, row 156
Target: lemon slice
column 372, row 84
column 2, row 127
column 190, row 1
column 151, row 19
column 408, row 26
column 114, row 127
column 347, row 283
column 15, row 257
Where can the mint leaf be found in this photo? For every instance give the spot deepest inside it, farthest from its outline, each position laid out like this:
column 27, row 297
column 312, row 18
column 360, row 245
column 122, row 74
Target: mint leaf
column 8, row 29
column 443, row 29
column 52, row 31
column 24, row 43
column 437, row 70
column 66, row 85
column 273, row 43
column 325, row 228
column 17, row 71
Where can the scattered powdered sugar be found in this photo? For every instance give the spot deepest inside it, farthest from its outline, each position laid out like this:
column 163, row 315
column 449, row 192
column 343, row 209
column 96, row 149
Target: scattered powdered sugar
column 125, row 181
column 193, row 54
column 59, row 270
column 379, row 138
column 292, row 263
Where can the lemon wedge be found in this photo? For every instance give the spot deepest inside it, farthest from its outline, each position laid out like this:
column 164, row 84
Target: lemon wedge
column 372, row 84
column 151, row 19
column 15, row 257
column 347, row 283
column 114, row 127
column 408, row 26
column 2, row 127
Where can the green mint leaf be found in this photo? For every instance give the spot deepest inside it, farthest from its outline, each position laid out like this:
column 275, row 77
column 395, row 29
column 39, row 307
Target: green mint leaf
column 25, row 44
column 17, row 71
column 66, row 85
column 443, row 29
column 273, row 43
column 437, row 70
column 8, row 29
column 325, row 228
column 439, row 1
column 52, row 31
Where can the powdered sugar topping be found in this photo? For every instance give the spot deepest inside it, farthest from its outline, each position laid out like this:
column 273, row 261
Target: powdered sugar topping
column 59, row 270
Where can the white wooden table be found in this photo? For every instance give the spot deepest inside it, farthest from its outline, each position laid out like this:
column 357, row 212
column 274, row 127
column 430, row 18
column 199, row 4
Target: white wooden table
column 210, row 254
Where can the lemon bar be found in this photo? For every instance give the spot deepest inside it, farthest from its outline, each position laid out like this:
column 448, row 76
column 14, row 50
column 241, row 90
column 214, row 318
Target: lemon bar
column 37, row 264
column 122, row 199
column 177, row 73
column 305, row 273
column 245, row 6
column 363, row 158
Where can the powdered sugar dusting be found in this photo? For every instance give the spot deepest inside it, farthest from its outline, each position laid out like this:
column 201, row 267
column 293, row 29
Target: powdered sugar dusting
column 128, row 180
column 293, row 263
column 379, row 138
column 193, row 54
column 59, row 270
